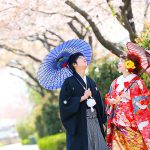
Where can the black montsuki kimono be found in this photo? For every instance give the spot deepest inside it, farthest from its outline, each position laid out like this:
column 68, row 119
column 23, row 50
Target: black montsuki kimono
column 73, row 112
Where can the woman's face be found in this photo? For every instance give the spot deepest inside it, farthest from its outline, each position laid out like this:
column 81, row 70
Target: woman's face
column 121, row 66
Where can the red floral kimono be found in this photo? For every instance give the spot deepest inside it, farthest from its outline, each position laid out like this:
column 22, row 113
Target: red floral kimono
column 129, row 120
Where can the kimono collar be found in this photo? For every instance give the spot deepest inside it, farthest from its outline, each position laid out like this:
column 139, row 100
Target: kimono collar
column 80, row 79
column 84, row 79
column 125, row 79
column 122, row 80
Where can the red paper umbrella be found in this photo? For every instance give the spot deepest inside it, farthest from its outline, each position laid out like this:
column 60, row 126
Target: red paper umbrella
column 140, row 53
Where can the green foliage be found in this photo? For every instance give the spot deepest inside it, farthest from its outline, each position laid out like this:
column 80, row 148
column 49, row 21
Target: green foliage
column 104, row 74
column 113, row 10
column 48, row 121
column 32, row 139
column 1, row 144
column 51, row 118
column 25, row 129
column 25, row 141
column 146, row 78
column 35, row 97
column 39, row 126
column 53, row 142
column 144, row 39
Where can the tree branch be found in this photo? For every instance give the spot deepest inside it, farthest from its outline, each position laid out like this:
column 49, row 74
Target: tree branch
column 74, row 29
column 43, row 12
column 125, row 17
column 107, row 44
column 90, row 40
column 37, row 86
column 20, row 53
column 7, row 9
column 58, row 36
column 42, row 39
column 75, row 18
column 46, row 40
column 146, row 10
column 80, row 34
column 34, row 87
column 22, row 68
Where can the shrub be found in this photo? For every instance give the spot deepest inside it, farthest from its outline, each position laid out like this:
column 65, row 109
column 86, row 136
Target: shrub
column 144, row 39
column 53, row 142
column 25, row 129
column 48, row 121
column 25, row 141
column 104, row 74
column 146, row 78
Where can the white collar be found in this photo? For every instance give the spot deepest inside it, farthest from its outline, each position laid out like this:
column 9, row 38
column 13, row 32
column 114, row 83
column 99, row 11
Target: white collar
column 122, row 79
column 84, row 79
column 125, row 79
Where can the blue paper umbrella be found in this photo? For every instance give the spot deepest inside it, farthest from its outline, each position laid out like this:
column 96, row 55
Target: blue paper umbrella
column 53, row 69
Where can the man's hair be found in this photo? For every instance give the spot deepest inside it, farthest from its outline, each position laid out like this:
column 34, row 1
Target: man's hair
column 73, row 59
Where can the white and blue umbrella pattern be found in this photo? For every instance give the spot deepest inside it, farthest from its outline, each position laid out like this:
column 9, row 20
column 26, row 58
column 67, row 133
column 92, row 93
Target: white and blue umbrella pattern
column 53, row 70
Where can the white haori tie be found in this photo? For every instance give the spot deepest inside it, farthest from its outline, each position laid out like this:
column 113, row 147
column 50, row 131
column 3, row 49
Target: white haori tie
column 91, row 103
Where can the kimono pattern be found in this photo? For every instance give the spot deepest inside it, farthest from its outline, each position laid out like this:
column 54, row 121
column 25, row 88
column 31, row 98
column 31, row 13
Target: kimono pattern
column 129, row 120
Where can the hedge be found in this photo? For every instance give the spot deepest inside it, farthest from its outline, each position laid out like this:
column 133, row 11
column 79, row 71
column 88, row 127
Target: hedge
column 53, row 142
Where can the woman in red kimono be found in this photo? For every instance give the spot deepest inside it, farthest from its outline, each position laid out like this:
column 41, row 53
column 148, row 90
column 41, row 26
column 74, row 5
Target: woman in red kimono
column 127, row 110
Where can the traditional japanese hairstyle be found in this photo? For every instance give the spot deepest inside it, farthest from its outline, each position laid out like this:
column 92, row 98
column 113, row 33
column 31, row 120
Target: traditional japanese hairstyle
column 72, row 59
column 132, row 63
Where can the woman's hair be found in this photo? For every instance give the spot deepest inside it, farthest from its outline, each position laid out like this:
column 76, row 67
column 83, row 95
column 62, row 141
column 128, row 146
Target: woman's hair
column 136, row 61
column 73, row 59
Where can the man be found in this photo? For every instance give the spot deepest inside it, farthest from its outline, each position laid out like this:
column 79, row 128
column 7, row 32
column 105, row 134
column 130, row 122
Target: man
column 81, row 108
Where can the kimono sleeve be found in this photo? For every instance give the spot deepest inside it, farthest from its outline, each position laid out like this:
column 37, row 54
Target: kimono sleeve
column 140, row 96
column 140, row 100
column 69, row 107
column 102, row 108
column 100, row 104
column 109, row 95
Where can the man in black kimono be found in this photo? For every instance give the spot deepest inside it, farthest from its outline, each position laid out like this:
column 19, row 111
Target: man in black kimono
column 82, row 120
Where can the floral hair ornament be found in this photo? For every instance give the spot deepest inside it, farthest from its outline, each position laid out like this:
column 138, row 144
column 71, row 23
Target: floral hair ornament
column 129, row 64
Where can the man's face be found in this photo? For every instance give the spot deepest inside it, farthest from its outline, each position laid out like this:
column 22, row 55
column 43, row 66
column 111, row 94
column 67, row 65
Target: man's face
column 81, row 62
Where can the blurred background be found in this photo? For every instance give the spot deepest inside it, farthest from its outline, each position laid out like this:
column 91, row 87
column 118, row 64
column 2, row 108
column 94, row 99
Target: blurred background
column 29, row 29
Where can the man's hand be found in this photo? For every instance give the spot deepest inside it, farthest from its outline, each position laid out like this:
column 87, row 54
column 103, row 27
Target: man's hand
column 86, row 95
column 104, row 127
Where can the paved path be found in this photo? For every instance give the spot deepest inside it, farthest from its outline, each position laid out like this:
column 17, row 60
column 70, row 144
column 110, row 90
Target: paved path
column 19, row 147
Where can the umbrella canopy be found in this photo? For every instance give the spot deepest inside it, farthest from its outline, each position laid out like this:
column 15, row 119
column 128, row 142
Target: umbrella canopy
column 53, row 70
column 144, row 56
column 140, row 53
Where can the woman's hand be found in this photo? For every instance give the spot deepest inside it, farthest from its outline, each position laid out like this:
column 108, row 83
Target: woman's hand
column 125, row 95
column 114, row 100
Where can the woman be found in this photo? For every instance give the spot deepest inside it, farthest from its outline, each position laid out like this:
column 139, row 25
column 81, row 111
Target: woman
column 127, row 109
column 83, row 121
